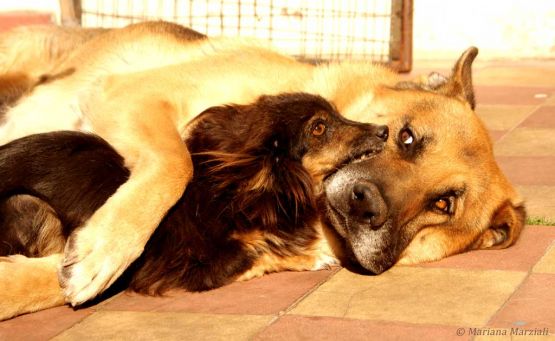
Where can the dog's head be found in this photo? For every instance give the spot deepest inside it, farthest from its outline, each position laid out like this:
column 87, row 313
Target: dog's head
column 269, row 158
column 435, row 190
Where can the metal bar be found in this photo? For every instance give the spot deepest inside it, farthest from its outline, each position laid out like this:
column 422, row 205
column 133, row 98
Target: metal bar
column 400, row 46
column 70, row 12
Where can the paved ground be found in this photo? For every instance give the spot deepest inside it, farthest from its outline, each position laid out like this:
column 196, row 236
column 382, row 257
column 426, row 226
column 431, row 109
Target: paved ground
column 480, row 292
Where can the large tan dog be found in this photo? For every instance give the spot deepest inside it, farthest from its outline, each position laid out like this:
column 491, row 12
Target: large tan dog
column 435, row 190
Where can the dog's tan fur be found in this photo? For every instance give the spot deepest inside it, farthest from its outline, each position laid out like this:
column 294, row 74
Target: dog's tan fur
column 31, row 286
column 139, row 86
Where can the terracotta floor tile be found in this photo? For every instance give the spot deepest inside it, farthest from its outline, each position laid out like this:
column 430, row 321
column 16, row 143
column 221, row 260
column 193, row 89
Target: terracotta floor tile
column 127, row 325
column 129, row 301
column 541, row 74
column 526, row 170
column 531, row 306
column 496, row 135
column 543, row 117
column 522, row 256
column 547, row 262
column 527, row 142
column 503, row 117
column 293, row 327
column 414, row 295
column 511, row 95
column 540, row 200
column 267, row 295
column 41, row 325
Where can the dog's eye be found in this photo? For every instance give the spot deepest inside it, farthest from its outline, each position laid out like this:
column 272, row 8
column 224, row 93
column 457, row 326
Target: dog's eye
column 444, row 204
column 406, row 136
column 319, row 129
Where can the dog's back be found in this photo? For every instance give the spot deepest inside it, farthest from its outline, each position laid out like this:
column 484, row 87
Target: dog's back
column 74, row 173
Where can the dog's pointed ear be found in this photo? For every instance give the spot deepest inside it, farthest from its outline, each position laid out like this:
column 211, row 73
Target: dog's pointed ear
column 505, row 227
column 460, row 82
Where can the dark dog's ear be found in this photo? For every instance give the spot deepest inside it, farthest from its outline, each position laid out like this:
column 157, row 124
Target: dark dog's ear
column 505, row 227
column 460, row 82
column 265, row 191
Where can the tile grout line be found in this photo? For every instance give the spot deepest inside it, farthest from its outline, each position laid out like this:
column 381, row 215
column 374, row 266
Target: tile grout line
column 529, row 273
column 73, row 325
column 99, row 307
column 284, row 312
column 549, row 248
column 502, row 137
column 502, row 306
column 310, row 291
column 505, row 303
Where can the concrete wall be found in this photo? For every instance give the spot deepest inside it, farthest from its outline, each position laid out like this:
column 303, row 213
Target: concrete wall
column 500, row 28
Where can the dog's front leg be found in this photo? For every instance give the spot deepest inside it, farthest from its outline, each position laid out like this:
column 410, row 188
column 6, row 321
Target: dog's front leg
column 144, row 133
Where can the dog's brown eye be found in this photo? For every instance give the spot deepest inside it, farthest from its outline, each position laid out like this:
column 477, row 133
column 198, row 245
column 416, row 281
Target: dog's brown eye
column 406, row 137
column 444, row 204
column 319, row 129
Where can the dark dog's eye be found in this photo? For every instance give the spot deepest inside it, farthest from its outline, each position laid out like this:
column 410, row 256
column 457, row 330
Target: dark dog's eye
column 406, row 136
column 319, row 129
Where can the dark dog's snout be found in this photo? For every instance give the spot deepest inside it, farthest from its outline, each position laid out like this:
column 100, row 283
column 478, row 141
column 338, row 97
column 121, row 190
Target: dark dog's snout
column 367, row 205
column 382, row 132
column 369, row 140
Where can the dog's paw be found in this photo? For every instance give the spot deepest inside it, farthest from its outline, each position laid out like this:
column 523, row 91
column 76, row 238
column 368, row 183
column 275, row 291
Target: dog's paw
column 92, row 262
column 324, row 261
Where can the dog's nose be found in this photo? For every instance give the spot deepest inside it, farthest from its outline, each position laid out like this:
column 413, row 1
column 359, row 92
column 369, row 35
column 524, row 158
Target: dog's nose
column 367, row 205
column 382, row 132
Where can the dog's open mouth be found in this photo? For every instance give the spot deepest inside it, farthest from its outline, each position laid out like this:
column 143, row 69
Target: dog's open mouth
column 359, row 157
column 354, row 158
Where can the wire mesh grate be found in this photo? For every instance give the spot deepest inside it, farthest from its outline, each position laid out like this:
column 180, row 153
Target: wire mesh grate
column 310, row 30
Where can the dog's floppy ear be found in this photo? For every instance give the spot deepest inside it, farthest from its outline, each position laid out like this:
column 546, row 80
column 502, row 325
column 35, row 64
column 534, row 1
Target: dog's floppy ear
column 505, row 227
column 460, row 82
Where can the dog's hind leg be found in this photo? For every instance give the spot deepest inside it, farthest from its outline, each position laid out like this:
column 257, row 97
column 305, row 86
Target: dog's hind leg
column 29, row 284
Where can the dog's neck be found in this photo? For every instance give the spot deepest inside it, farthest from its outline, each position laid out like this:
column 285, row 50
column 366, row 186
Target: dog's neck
column 350, row 86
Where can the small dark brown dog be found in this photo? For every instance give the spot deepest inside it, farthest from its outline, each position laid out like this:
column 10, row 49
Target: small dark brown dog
column 252, row 198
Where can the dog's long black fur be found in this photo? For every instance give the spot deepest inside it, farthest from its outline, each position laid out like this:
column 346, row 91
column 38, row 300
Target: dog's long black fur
column 248, row 176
